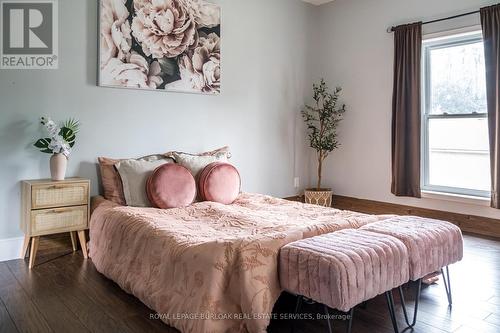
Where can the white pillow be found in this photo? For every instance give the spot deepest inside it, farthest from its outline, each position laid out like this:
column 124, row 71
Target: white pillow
column 134, row 175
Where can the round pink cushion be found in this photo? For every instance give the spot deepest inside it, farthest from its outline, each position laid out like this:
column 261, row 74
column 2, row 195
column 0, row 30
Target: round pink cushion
column 171, row 186
column 220, row 182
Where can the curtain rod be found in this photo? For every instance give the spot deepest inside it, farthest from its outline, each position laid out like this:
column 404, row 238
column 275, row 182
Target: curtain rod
column 391, row 29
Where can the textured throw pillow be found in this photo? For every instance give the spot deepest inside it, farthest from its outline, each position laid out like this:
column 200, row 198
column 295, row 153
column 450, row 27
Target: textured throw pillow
column 134, row 175
column 224, row 151
column 110, row 178
column 221, row 151
column 219, row 182
column 171, row 186
column 196, row 163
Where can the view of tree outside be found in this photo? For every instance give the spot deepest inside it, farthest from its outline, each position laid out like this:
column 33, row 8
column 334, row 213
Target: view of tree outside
column 458, row 79
column 458, row 147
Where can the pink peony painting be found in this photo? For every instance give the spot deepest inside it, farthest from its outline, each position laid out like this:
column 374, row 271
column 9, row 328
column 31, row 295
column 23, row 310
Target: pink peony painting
column 171, row 45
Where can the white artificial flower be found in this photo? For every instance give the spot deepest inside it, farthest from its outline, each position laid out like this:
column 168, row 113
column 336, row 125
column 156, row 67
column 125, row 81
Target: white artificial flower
column 66, row 152
column 51, row 126
column 56, row 144
column 59, row 146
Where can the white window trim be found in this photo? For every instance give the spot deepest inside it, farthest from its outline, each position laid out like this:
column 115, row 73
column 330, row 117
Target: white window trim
column 435, row 36
column 466, row 199
column 433, row 191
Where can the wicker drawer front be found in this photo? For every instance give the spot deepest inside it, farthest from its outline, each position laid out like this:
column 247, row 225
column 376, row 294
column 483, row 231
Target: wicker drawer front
column 45, row 196
column 56, row 220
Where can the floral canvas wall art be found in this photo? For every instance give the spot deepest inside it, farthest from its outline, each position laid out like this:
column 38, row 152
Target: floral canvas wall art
column 170, row 45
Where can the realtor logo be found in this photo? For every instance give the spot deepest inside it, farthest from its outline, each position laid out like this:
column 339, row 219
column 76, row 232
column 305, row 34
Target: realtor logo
column 29, row 34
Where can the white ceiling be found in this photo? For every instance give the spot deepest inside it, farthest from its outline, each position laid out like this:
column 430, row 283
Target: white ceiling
column 317, row 2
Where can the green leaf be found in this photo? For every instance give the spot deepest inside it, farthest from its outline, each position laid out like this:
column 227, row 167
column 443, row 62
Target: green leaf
column 67, row 134
column 42, row 143
column 72, row 124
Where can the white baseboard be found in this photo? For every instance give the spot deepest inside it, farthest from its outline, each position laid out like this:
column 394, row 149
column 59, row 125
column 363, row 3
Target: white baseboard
column 10, row 248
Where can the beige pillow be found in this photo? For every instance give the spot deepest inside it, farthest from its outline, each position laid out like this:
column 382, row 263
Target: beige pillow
column 110, row 178
column 134, row 175
column 196, row 163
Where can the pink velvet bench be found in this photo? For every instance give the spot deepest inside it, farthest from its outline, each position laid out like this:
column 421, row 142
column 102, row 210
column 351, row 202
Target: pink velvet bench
column 343, row 269
column 432, row 245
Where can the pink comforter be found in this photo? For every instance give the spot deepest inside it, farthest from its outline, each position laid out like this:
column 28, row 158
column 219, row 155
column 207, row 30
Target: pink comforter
column 208, row 267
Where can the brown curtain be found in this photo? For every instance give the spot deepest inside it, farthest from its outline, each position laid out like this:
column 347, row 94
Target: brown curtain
column 406, row 110
column 490, row 21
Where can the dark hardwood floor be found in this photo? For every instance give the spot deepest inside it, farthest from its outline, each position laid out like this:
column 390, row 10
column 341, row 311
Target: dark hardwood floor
column 65, row 293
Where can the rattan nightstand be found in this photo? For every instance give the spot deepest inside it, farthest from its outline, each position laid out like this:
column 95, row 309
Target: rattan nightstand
column 53, row 207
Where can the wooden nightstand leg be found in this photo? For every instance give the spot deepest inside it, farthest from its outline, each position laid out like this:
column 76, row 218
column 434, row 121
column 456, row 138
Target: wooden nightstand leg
column 73, row 240
column 83, row 243
column 34, row 248
column 26, row 244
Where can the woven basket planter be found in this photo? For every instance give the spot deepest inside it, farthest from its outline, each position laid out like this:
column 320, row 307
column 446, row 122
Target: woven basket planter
column 320, row 198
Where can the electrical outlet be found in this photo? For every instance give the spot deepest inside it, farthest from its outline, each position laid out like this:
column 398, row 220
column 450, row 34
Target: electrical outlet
column 296, row 182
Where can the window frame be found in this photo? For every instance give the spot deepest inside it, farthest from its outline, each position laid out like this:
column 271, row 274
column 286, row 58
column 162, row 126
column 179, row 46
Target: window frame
column 443, row 41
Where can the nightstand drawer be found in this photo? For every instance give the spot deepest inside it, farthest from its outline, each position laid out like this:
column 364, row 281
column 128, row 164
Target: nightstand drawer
column 51, row 221
column 57, row 195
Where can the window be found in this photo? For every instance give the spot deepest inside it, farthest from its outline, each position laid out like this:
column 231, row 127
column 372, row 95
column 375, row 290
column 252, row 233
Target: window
column 455, row 146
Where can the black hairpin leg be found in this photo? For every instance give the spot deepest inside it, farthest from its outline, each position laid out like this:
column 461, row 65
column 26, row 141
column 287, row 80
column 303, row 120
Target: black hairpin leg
column 447, row 284
column 298, row 306
column 349, row 323
column 392, row 313
column 350, row 316
column 415, row 310
column 327, row 313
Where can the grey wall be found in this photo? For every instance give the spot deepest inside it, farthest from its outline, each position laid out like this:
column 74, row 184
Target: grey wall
column 265, row 80
column 271, row 51
column 356, row 52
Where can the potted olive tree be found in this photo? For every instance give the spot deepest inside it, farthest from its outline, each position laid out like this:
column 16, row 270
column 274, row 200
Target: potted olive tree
column 322, row 120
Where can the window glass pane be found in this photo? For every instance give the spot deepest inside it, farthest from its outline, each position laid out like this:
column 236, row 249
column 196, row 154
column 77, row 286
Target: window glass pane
column 458, row 79
column 459, row 153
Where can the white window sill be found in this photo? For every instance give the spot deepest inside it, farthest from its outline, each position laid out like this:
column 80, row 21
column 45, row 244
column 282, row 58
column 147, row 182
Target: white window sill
column 466, row 199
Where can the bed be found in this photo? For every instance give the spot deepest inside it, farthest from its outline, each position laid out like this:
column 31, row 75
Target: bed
column 208, row 267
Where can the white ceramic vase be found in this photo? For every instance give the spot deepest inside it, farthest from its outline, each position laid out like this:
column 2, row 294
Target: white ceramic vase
column 58, row 164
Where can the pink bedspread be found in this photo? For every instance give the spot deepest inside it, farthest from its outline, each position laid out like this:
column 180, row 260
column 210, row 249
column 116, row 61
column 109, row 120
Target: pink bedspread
column 208, row 267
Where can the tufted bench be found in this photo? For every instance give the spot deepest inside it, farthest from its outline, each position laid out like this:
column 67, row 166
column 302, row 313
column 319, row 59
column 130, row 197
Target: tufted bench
column 432, row 245
column 344, row 268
